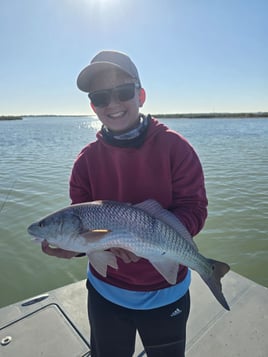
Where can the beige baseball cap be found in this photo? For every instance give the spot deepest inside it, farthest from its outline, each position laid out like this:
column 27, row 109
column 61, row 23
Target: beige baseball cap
column 106, row 60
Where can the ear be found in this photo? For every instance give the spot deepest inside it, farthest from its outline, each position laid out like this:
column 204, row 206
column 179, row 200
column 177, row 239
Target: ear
column 142, row 97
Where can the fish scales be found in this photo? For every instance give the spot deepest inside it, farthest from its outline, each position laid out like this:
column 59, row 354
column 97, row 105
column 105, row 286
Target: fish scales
column 154, row 232
column 136, row 221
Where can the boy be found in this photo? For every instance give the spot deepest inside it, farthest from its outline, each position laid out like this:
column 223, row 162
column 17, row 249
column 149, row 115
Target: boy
column 133, row 159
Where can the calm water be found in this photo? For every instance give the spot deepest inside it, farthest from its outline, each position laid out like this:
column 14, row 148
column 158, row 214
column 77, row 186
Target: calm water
column 36, row 156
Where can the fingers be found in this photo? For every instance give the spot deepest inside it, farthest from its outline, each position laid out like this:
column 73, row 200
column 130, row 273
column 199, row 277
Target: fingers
column 125, row 255
column 57, row 252
column 134, row 258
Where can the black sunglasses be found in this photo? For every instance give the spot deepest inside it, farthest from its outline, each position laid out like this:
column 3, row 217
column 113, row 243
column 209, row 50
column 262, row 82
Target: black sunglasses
column 123, row 93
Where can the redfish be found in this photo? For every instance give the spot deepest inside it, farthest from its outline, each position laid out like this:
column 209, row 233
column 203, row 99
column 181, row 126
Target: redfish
column 145, row 229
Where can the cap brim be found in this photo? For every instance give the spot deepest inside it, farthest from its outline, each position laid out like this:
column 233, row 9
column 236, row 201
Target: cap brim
column 86, row 75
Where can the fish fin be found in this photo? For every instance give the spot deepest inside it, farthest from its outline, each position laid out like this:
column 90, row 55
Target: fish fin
column 167, row 268
column 219, row 269
column 101, row 259
column 93, row 235
column 154, row 209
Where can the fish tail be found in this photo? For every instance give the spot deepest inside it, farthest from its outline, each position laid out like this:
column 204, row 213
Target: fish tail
column 219, row 269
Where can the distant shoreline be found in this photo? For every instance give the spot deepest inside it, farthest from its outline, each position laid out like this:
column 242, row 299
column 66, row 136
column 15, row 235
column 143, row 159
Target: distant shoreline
column 163, row 116
column 212, row 115
column 10, row 117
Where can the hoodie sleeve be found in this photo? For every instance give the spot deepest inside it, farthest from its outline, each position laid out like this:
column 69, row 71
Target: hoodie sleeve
column 189, row 193
column 79, row 185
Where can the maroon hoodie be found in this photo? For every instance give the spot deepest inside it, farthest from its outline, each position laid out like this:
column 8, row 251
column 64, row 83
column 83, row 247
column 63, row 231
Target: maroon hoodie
column 165, row 168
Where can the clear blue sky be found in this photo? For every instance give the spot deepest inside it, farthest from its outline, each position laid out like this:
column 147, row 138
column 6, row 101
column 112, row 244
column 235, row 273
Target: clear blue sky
column 192, row 55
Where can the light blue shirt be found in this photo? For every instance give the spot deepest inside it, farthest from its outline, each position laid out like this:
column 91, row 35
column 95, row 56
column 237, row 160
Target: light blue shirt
column 140, row 300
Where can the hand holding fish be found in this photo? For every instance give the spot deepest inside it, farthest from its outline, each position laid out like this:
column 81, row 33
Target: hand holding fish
column 125, row 255
column 57, row 252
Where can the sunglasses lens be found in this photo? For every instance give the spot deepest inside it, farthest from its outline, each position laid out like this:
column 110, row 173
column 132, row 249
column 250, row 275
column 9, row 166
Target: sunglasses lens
column 102, row 98
column 125, row 92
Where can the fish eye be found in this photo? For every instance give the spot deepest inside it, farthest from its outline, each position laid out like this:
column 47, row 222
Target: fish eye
column 41, row 224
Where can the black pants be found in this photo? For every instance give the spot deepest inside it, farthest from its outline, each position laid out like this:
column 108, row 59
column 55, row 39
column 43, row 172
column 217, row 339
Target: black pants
column 113, row 327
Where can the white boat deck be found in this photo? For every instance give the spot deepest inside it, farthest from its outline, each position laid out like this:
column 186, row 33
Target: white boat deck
column 58, row 326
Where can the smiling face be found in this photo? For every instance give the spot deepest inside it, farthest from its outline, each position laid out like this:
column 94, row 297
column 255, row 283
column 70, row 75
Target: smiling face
column 118, row 116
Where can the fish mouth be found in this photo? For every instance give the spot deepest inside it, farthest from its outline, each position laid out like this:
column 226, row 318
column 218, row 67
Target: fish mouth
column 32, row 231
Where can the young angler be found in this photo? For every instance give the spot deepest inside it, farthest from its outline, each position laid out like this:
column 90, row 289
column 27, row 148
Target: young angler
column 133, row 159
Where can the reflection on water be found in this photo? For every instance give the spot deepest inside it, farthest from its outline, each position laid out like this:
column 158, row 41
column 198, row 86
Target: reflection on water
column 37, row 154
